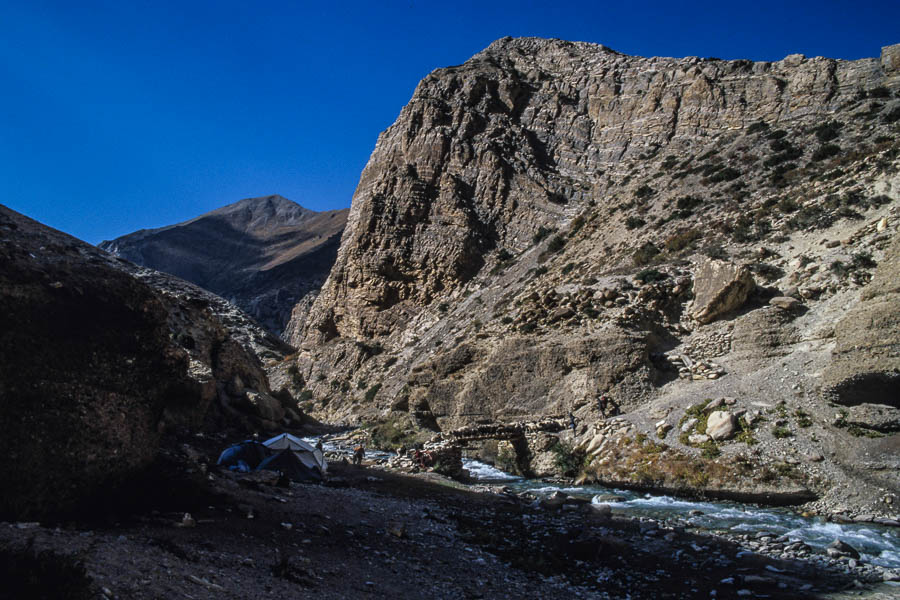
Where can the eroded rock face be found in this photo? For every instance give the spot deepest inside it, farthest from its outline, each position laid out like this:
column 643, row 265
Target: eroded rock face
column 720, row 288
column 866, row 359
column 547, row 194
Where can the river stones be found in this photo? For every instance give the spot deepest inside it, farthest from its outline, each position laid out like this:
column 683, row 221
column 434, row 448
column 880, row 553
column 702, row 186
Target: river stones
column 839, row 548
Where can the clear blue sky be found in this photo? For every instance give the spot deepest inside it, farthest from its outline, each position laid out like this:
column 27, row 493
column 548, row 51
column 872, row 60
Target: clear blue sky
column 115, row 116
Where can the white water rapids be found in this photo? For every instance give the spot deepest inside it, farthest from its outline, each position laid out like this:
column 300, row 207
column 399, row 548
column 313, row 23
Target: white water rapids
column 877, row 544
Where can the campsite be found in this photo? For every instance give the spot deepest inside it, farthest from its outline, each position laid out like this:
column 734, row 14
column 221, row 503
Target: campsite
column 369, row 532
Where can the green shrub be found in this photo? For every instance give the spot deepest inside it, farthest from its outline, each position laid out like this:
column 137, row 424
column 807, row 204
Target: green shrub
column 826, row 151
column 372, row 392
column 527, row 327
column 568, row 268
column 504, row 255
column 828, row 131
column 650, row 275
column 709, row 450
column 688, row 202
column 787, row 205
column 757, row 127
column 682, row 239
column 634, row 222
column 305, row 395
column 540, row 271
column 542, row 233
column 556, row 244
column 644, row 192
column 726, row 174
column 777, row 134
column 567, row 459
column 781, row 432
column 645, row 254
column 390, row 362
column 803, row 418
column 716, row 251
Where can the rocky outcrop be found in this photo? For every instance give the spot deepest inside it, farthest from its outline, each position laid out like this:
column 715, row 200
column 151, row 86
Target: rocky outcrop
column 264, row 254
column 537, row 232
column 96, row 365
column 720, row 288
column 866, row 360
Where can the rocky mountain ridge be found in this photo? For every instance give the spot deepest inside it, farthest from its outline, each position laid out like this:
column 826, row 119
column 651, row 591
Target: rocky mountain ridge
column 263, row 254
column 538, row 228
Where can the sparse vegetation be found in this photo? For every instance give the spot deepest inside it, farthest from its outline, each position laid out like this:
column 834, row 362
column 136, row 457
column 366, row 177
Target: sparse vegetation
column 567, row 459
column 645, row 254
column 634, row 222
column 541, row 234
column 372, row 392
column 650, row 275
column 682, row 239
column 826, row 151
column 644, row 192
column 781, row 432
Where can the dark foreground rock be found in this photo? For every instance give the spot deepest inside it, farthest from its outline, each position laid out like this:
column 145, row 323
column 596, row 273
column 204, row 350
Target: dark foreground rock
column 96, row 365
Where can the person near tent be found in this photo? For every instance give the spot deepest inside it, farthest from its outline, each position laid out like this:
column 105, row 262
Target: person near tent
column 419, row 458
column 358, row 454
column 319, row 446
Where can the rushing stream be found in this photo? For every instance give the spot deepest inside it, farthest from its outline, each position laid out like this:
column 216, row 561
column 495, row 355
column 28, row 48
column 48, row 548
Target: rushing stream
column 877, row 544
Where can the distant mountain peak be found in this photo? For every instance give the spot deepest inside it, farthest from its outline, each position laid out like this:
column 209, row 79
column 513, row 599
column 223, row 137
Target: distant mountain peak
column 263, row 253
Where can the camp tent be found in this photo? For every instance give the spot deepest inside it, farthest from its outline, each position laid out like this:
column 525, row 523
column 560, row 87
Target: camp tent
column 288, row 463
column 308, row 454
column 244, row 456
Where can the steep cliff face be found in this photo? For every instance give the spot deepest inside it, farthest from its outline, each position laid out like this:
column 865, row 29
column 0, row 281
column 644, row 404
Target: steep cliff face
column 264, row 254
column 99, row 358
column 536, row 228
column 531, row 134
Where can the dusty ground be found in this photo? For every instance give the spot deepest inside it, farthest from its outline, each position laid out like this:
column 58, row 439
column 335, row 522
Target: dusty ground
column 373, row 533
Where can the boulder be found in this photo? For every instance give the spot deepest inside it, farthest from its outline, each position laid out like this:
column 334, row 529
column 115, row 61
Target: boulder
column 698, row 438
column 840, row 548
column 719, row 288
column 721, row 425
column 784, row 302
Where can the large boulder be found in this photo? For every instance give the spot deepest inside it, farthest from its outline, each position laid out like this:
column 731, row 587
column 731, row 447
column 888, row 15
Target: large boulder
column 98, row 361
column 865, row 366
column 86, row 370
column 721, row 425
column 719, row 288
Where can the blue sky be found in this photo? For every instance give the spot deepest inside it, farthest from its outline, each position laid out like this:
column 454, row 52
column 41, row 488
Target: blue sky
column 116, row 116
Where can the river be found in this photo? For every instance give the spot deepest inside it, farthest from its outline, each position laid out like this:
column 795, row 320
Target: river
column 877, row 544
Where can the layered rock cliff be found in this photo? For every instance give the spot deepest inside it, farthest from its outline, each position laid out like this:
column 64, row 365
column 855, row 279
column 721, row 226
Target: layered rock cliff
column 263, row 254
column 531, row 232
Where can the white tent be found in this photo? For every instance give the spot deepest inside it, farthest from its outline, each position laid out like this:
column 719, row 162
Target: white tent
column 308, row 454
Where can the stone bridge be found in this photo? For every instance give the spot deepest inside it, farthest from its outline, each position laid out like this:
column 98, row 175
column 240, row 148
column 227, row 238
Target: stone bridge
column 500, row 431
